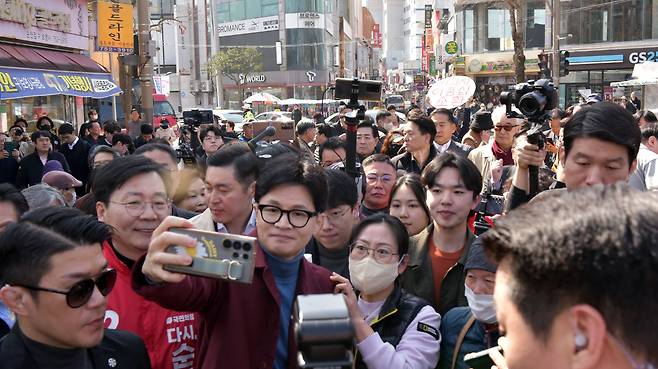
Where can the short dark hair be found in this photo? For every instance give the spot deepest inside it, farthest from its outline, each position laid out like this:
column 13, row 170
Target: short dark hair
column 91, row 111
column 41, row 119
column 146, row 129
column 9, row 193
column 393, row 223
column 377, row 158
column 302, row 127
column 425, row 125
column 382, row 115
column 468, row 172
column 648, row 116
column 26, row 250
column 66, row 129
column 291, row 169
column 372, row 127
column 562, row 251
column 71, row 223
column 342, row 189
column 111, row 127
column 38, row 134
column 325, row 129
column 412, row 180
column 445, row 112
column 123, row 138
column 605, row 121
column 99, row 149
column 649, row 130
column 240, row 157
column 157, row 146
column 209, row 128
column 391, row 107
column 558, row 113
column 332, row 144
column 114, row 174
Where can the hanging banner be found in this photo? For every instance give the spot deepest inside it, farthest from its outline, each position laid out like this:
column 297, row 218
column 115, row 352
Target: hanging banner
column 17, row 83
column 115, row 27
column 451, row 92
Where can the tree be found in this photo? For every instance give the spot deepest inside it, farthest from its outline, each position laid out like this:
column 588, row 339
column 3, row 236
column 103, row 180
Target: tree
column 516, row 20
column 236, row 64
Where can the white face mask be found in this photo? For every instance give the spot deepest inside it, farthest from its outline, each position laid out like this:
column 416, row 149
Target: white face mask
column 369, row 277
column 74, row 197
column 481, row 305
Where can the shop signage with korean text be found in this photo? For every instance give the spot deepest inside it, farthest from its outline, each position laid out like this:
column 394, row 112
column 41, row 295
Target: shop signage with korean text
column 246, row 26
column 115, row 26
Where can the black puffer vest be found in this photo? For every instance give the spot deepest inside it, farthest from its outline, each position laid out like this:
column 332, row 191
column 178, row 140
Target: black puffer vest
column 398, row 311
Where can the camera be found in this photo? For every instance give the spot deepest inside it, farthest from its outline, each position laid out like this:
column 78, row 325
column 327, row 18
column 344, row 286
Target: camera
column 196, row 117
column 533, row 98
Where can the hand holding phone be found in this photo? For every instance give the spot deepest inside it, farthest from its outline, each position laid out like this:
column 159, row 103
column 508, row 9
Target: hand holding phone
column 482, row 359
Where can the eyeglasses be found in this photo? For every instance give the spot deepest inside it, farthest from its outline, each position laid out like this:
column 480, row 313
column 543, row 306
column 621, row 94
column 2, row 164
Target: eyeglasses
column 335, row 215
column 507, row 128
column 385, row 178
column 81, row 292
column 358, row 251
column 296, row 217
column 137, row 208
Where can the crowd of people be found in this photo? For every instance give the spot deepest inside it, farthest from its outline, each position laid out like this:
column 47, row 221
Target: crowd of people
column 562, row 278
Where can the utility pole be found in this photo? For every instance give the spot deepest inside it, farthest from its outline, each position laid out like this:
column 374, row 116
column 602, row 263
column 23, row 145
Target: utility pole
column 145, row 61
column 556, row 41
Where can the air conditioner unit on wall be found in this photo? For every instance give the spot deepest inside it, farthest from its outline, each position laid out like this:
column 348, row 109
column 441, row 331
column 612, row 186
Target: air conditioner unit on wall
column 195, row 85
column 206, row 86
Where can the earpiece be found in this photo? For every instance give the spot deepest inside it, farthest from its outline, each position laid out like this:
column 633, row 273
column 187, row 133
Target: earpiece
column 581, row 341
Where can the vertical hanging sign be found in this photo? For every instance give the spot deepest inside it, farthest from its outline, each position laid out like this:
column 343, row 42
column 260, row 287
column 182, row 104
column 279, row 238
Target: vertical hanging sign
column 115, row 26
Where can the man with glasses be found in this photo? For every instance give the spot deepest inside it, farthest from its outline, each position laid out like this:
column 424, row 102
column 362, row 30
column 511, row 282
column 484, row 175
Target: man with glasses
column 250, row 326
column 379, row 181
column 438, row 253
column 211, row 141
column 329, row 247
column 56, row 285
column 131, row 197
column 332, row 151
column 500, row 148
column 419, row 135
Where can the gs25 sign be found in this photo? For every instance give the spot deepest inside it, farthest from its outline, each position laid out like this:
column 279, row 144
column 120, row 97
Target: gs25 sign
column 639, row 57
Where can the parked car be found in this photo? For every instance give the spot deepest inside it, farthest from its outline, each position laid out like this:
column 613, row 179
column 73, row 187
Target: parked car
column 274, row 115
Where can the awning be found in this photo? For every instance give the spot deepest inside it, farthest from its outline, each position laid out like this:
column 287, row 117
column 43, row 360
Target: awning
column 635, row 82
column 26, row 72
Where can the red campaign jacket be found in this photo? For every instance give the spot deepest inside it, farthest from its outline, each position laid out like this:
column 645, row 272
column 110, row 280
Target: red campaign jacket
column 170, row 336
column 242, row 321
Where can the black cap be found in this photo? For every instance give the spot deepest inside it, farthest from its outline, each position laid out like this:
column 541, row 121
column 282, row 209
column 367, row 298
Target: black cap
column 482, row 121
column 477, row 258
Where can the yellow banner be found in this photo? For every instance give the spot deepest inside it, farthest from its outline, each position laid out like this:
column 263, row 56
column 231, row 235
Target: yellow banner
column 115, row 27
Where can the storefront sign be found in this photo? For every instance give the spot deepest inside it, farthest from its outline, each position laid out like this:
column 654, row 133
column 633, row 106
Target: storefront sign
column 451, row 48
column 115, row 27
column 18, row 83
column 57, row 22
column 311, row 75
column 281, row 79
column 428, row 16
column 305, row 20
column 254, row 25
column 451, row 92
column 162, row 85
column 618, row 58
column 376, row 37
column 499, row 64
column 252, row 78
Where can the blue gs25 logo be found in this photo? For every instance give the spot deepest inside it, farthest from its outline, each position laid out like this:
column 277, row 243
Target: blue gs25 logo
column 642, row 56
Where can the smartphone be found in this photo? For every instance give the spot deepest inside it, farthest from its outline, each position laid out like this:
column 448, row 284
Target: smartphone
column 481, row 359
column 9, row 147
column 550, row 140
column 216, row 255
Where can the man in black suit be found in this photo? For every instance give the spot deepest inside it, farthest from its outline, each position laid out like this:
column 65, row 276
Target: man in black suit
column 76, row 152
column 31, row 167
column 56, row 282
column 446, row 126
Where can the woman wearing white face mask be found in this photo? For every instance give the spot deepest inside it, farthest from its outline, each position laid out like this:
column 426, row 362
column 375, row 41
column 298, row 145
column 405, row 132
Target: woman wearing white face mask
column 393, row 329
column 473, row 328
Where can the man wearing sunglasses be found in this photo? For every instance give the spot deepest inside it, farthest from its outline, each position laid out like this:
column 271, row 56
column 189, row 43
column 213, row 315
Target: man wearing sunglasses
column 250, row 326
column 131, row 197
column 57, row 286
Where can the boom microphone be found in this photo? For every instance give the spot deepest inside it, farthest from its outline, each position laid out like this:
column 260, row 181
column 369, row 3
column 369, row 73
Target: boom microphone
column 267, row 132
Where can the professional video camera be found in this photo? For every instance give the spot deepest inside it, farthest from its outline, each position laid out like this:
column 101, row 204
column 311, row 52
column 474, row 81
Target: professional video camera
column 535, row 100
column 197, row 117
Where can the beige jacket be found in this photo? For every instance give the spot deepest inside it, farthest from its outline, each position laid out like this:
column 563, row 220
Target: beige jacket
column 482, row 157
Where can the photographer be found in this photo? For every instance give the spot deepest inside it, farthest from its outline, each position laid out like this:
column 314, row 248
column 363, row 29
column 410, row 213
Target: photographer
column 600, row 145
column 575, row 285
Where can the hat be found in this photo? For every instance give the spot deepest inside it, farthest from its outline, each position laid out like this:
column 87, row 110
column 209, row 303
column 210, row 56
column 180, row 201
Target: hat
column 60, row 180
column 246, row 106
column 482, row 121
column 477, row 259
column 593, row 98
column 52, row 165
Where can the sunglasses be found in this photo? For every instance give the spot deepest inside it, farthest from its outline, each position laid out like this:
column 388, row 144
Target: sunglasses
column 507, row 128
column 81, row 292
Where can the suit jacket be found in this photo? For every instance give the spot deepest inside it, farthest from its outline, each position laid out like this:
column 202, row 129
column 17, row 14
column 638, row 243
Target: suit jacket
column 77, row 158
column 117, row 350
column 31, row 168
column 457, row 148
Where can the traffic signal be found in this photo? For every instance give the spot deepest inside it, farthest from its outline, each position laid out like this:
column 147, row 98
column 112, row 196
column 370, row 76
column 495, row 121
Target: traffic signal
column 543, row 65
column 564, row 63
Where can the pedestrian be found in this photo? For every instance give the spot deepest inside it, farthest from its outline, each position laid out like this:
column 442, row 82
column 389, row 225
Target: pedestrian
column 479, row 130
column 645, row 116
column 8, row 162
column 332, row 151
column 146, row 135
column 65, row 183
column 296, row 114
column 190, row 193
column 419, row 134
column 211, row 140
column 645, row 176
column 46, row 124
column 563, row 280
column 135, row 123
column 408, row 203
column 76, row 152
column 94, row 137
column 247, row 113
column 122, row 143
column 56, row 285
column 110, row 128
column 637, row 103
column 289, row 195
column 367, row 140
column 306, row 132
column 31, row 167
column 164, row 132
column 392, row 328
column 379, row 177
column 43, row 195
column 446, row 127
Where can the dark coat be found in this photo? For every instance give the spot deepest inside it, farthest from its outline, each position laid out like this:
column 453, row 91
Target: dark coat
column 418, row 280
column 117, row 350
column 405, row 163
column 477, row 337
column 31, row 168
column 78, row 160
column 459, row 149
column 8, row 170
column 250, row 312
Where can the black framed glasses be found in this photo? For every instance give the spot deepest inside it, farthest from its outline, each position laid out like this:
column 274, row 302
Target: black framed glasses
column 296, row 217
column 80, row 293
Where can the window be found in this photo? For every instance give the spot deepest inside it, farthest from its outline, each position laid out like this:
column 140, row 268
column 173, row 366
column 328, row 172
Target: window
column 499, row 32
column 299, row 6
column 535, row 24
column 311, row 54
column 236, row 10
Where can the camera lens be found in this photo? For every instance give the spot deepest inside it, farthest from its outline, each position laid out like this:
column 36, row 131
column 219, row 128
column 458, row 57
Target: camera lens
column 532, row 103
